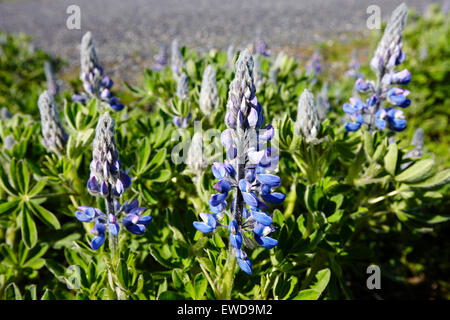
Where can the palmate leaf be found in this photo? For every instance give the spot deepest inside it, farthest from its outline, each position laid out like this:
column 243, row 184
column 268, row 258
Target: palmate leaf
column 18, row 185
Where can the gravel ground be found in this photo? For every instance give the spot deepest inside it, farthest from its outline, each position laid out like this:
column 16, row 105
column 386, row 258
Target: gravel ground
column 128, row 32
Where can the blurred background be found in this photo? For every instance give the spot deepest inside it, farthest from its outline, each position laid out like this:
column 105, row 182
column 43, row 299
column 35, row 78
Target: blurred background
column 129, row 33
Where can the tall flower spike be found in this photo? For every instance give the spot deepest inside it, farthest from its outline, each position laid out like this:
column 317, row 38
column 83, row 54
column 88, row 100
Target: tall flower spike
column 314, row 65
column 388, row 55
column 260, row 47
column 88, row 55
column 107, row 180
column 389, row 51
column 230, row 56
column 54, row 135
column 52, row 86
column 354, row 66
column 5, row 114
column 107, row 177
column 307, row 123
column 177, row 63
column 246, row 172
column 257, row 72
column 9, row 142
column 323, row 104
column 183, row 87
column 161, row 58
column 273, row 72
column 417, row 142
column 209, row 98
column 195, row 158
column 95, row 83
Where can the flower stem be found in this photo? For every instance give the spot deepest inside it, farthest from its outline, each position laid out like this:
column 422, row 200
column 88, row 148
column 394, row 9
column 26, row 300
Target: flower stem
column 225, row 285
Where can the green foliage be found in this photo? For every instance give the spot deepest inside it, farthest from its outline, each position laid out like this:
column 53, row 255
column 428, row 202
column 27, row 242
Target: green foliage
column 353, row 199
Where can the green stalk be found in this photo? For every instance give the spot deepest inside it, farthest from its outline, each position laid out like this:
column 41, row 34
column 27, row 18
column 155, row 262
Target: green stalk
column 225, row 283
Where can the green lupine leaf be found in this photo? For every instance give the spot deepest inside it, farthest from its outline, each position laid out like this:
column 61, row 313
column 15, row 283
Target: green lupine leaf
column 438, row 179
column 390, row 160
column 44, row 215
column 201, row 284
column 161, row 176
column 8, row 207
column 8, row 255
column 416, row 172
column 38, row 187
column 322, row 279
column 4, row 183
column 13, row 174
column 23, row 176
column 28, row 227
column 122, row 273
column 12, row 292
column 158, row 159
column 307, row 294
column 143, row 156
column 48, row 295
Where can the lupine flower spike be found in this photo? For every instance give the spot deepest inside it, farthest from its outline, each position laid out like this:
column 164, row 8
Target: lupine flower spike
column 260, row 47
column 307, row 124
column 5, row 114
column 257, row 72
column 161, row 58
column 176, row 59
column 314, row 65
column 209, row 98
column 95, row 83
column 388, row 55
column 417, row 142
column 109, row 181
column 9, row 142
column 183, row 87
column 52, row 86
column 182, row 94
column 246, row 170
column 55, row 138
column 195, row 158
column 354, row 66
column 230, row 56
column 273, row 72
column 323, row 105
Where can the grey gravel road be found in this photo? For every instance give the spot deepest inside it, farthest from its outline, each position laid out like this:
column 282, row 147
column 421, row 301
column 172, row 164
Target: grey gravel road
column 128, row 32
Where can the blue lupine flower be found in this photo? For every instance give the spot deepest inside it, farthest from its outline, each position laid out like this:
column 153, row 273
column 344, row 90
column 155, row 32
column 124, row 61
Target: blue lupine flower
column 261, row 48
column 246, row 172
column 314, row 65
column 396, row 119
column 181, row 122
column 161, row 58
column 134, row 222
column 95, row 83
column 402, row 77
column 106, row 175
column 109, row 181
column 397, row 97
column 388, row 55
column 354, row 66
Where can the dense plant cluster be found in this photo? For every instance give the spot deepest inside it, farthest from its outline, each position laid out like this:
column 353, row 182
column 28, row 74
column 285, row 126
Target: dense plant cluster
column 237, row 174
